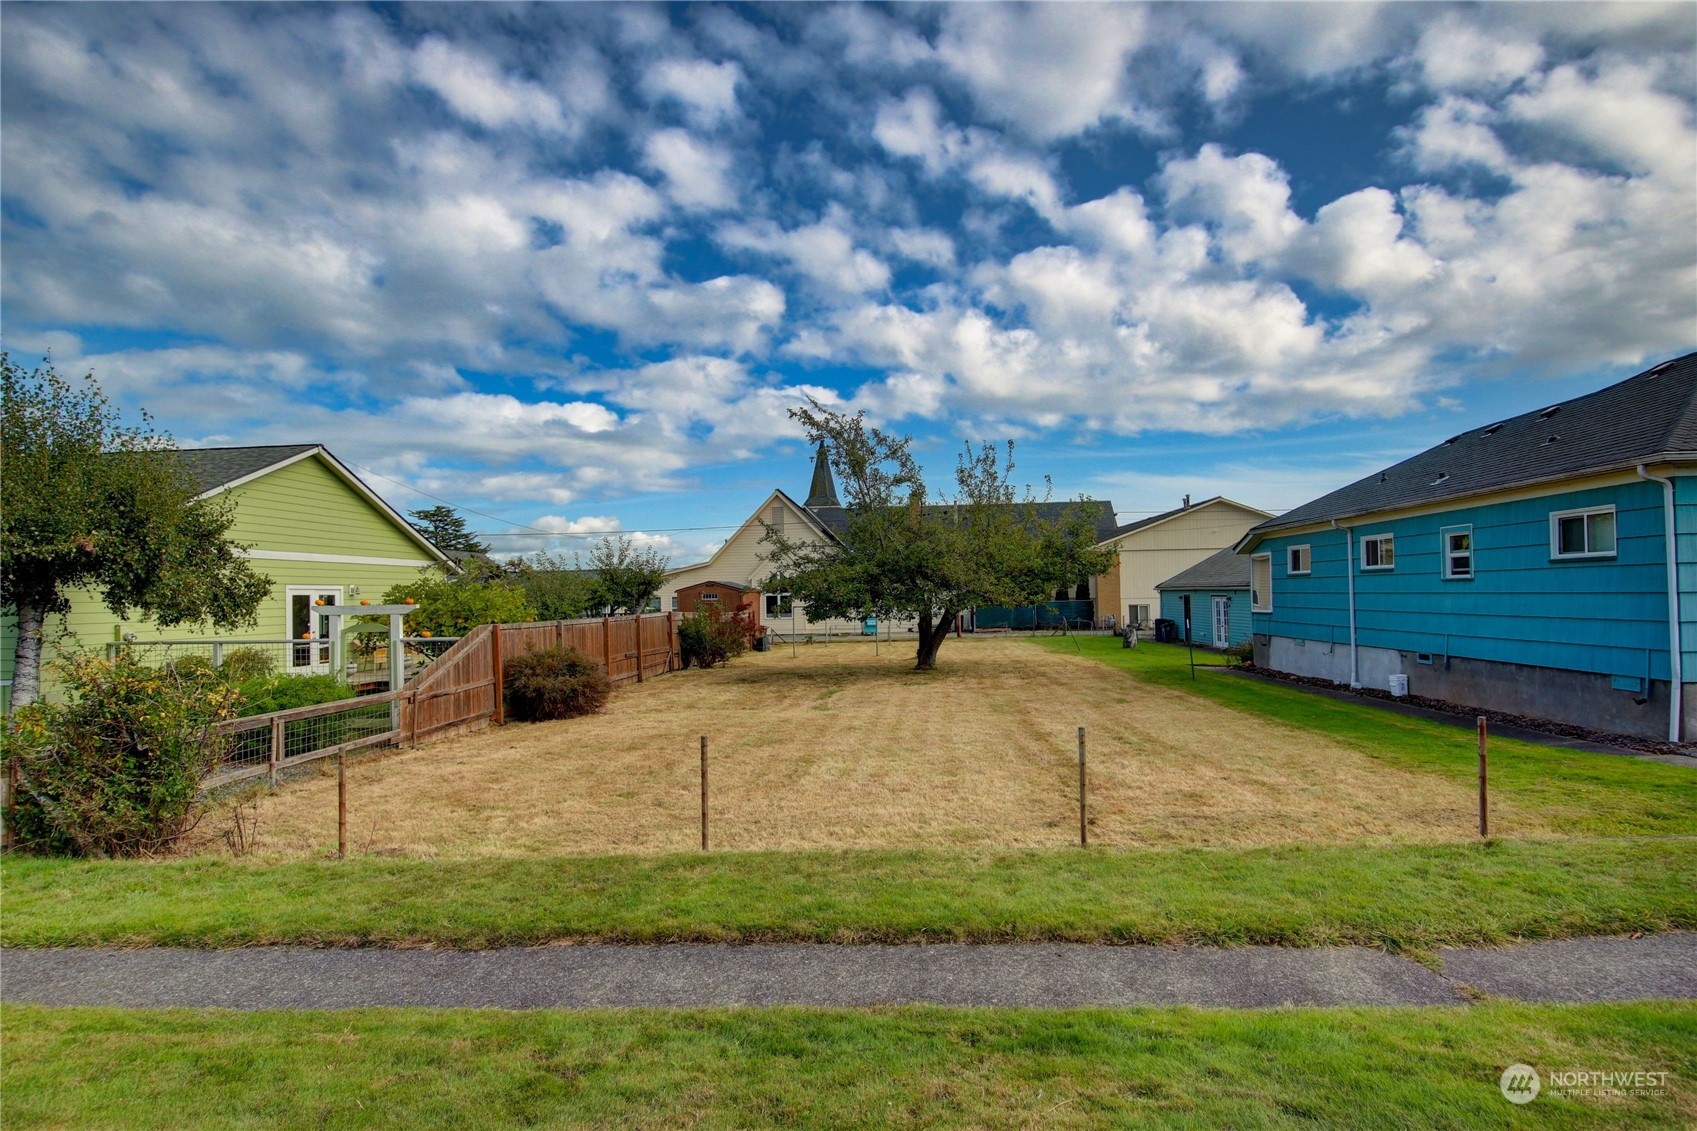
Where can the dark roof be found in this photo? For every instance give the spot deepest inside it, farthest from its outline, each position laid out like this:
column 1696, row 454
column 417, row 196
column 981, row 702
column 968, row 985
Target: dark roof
column 1099, row 511
column 823, row 493
column 1643, row 419
column 1227, row 569
column 214, row 467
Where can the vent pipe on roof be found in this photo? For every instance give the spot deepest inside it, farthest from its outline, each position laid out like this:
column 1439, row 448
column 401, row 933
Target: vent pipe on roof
column 1186, row 502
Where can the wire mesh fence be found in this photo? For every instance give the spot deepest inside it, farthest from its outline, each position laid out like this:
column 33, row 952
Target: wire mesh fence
column 265, row 742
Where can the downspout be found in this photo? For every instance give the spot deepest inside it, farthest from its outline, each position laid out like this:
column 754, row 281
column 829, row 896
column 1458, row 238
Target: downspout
column 1676, row 677
column 1349, row 572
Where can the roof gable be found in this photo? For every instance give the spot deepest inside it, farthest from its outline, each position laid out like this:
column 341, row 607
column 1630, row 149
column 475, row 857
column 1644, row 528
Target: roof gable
column 1165, row 516
column 1642, row 419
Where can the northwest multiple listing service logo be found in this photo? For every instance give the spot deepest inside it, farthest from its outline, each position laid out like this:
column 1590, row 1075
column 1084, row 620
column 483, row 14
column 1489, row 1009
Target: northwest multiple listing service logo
column 1520, row 1083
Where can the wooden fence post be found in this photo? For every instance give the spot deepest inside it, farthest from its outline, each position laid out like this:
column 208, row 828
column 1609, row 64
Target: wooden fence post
column 9, row 837
column 276, row 756
column 1484, row 798
column 640, row 655
column 607, row 644
column 704, row 793
column 1083, row 823
column 671, row 641
column 500, row 675
column 341, row 805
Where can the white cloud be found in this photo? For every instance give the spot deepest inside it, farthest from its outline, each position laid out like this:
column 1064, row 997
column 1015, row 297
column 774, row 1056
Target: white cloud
column 824, row 252
column 697, row 173
column 1246, row 199
column 706, row 90
column 1455, row 54
column 477, row 89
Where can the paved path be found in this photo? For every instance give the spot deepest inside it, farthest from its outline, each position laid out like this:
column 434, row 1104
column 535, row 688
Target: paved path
column 1042, row 975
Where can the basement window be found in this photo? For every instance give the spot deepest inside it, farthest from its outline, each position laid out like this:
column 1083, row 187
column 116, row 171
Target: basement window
column 1301, row 560
column 1378, row 552
column 1588, row 533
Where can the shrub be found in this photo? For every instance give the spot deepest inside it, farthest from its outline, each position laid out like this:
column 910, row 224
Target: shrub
column 282, row 692
column 711, row 636
column 116, row 770
column 454, row 606
column 242, row 664
column 554, row 683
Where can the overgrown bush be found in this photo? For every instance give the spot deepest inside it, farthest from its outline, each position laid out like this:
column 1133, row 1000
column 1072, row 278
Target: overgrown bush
column 116, row 769
column 450, row 606
column 554, row 683
column 242, row 664
column 711, row 636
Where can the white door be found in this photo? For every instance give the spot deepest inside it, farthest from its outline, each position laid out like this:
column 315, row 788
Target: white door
column 309, row 629
column 1222, row 622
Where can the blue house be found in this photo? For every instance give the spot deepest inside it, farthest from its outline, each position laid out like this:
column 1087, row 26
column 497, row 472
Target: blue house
column 1218, row 588
column 1544, row 565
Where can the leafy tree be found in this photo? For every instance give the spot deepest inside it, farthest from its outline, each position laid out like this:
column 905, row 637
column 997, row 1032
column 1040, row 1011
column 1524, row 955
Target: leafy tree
column 558, row 587
column 446, row 530
column 449, row 606
column 626, row 578
column 86, row 502
column 899, row 557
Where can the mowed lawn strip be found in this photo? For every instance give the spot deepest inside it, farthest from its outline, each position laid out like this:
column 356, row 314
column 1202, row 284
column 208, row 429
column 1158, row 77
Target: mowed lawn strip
column 1182, row 1068
column 1572, row 792
column 1400, row 897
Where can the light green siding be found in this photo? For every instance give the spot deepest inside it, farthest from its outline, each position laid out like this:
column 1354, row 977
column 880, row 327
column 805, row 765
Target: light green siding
column 304, row 508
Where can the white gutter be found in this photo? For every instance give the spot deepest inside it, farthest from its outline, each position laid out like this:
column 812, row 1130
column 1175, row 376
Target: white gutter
column 1349, row 572
column 1676, row 677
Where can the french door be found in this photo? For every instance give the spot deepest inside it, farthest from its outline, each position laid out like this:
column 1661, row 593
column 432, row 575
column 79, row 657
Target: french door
column 1222, row 622
column 309, row 629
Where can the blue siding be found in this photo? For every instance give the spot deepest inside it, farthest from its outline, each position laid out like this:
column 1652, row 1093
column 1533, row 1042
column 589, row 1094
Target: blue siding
column 1607, row 615
column 1202, row 613
column 1685, row 536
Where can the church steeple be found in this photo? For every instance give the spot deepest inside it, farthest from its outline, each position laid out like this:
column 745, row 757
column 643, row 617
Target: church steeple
column 823, row 493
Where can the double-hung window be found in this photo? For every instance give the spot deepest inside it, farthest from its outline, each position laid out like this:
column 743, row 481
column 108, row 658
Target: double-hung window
column 1458, row 552
column 1261, row 583
column 1588, row 533
column 1300, row 560
column 1378, row 552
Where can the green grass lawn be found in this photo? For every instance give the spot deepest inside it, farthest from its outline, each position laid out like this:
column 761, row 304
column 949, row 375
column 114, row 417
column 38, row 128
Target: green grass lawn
column 1356, row 1068
column 1576, row 792
column 1402, row 897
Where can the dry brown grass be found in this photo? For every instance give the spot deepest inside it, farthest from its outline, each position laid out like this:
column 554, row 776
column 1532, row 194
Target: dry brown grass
column 840, row 748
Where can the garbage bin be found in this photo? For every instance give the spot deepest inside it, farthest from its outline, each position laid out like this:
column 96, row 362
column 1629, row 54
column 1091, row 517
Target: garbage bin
column 763, row 643
column 1166, row 631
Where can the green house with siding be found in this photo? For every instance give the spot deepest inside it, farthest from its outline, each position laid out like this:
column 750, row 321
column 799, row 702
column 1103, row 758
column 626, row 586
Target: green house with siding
column 310, row 525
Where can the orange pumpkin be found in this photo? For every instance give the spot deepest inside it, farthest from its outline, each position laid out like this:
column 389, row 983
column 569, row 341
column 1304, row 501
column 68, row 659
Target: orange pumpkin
column 410, row 601
column 426, row 632
column 306, row 636
column 364, row 602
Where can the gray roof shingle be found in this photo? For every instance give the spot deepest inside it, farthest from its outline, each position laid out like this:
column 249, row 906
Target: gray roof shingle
column 1641, row 419
column 1226, row 569
column 214, row 467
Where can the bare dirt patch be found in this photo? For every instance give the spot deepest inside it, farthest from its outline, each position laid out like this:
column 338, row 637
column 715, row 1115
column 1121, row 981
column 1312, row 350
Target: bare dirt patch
column 841, row 748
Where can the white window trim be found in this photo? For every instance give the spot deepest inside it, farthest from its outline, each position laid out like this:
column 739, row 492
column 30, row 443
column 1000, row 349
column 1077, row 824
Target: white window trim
column 1365, row 568
column 1555, row 534
column 1444, row 533
column 1309, row 551
column 1261, row 608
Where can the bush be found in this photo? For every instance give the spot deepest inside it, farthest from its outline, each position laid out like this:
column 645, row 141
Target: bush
column 454, row 606
column 282, row 692
column 242, row 664
column 116, row 770
column 711, row 636
column 554, row 683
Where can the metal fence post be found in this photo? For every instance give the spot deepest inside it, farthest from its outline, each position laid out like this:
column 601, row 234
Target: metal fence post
column 1484, row 797
column 1083, row 822
column 704, row 793
column 341, row 805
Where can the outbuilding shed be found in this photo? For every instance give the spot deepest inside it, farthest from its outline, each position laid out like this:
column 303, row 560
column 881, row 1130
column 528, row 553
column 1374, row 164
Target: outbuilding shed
column 1218, row 588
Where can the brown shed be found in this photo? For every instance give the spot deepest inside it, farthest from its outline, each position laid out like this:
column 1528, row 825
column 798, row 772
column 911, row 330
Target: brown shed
column 731, row 598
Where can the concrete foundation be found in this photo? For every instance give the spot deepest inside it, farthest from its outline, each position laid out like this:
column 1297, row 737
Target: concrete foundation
column 1582, row 698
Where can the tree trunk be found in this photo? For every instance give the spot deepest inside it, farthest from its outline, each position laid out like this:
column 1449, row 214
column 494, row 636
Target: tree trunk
column 932, row 633
column 26, row 661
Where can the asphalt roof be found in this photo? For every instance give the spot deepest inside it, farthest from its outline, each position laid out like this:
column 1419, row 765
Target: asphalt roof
column 1099, row 511
column 1227, row 569
column 214, row 467
column 1643, row 419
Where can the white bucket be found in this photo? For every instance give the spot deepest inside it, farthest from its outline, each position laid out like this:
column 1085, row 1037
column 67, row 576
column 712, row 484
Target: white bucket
column 1399, row 685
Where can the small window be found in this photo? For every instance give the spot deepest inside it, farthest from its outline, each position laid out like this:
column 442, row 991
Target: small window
column 1301, row 559
column 1423, row 658
column 1583, row 533
column 777, row 604
column 1378, row 552
column 1139, row 615
column 674, row 602
column 709, row 596
column 1261, row 583
column 1458, row 552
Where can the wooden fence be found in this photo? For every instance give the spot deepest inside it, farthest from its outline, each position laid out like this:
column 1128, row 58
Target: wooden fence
column 461, row 690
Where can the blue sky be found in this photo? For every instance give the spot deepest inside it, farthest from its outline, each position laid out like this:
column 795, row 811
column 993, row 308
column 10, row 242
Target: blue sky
column 569, row 265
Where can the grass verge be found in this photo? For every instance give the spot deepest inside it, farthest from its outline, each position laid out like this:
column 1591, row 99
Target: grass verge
column 1413, row 1067
column 1400, row 897
column 1574, row 792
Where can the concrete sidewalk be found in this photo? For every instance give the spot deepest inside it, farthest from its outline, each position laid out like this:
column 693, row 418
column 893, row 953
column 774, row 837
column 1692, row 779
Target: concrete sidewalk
column 1039, row 975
